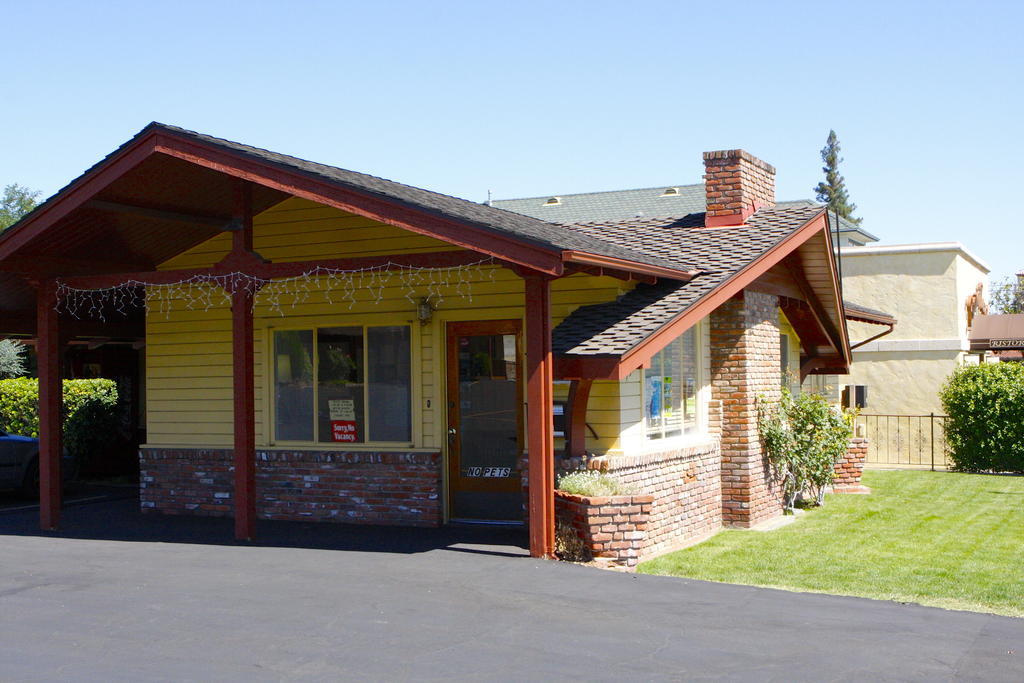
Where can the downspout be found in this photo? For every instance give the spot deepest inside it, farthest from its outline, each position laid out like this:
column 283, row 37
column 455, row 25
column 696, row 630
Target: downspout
column 892, row 326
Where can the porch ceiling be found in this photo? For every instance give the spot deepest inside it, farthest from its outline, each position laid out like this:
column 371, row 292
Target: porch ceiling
column 156, row 210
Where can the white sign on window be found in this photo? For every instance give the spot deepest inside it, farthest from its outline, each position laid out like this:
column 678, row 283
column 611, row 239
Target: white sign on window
column 342, row 409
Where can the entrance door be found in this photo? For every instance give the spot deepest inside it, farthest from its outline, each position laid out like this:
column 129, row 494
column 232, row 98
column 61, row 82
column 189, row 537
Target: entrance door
column 484, row 420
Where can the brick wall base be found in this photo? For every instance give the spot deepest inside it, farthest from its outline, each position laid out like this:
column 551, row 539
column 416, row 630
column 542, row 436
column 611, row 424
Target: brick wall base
column 849, row 469
column 395, row 488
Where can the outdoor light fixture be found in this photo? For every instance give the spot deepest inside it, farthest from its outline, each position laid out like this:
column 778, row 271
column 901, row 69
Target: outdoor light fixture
column 424, row 311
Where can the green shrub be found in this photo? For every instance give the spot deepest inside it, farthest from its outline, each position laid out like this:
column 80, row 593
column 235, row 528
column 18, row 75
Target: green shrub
column 803, row 438
column 985, row 429
column 592, row 483
column 91, row 413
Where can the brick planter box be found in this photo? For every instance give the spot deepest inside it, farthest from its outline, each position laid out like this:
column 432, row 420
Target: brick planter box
column 612, row 527
column 849, row 469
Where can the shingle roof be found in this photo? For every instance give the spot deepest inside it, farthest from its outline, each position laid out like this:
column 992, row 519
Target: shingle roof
column 521, row 227
column 615, row 327
column 622, row 205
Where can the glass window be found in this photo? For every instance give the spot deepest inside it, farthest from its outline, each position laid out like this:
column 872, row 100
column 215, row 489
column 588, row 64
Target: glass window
column 784, row 358
column 670, row 389
column 341, row 409
column 363, row 387
column 293, row 385
column 390, row 393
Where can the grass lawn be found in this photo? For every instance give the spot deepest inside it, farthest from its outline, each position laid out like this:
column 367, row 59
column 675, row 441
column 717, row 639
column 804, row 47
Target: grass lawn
column 947, row 540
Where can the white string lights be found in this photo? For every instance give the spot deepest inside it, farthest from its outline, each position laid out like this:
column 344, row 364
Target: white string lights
column 208, row 290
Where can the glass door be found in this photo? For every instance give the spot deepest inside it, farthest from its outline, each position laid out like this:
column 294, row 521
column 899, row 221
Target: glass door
column 484, row 404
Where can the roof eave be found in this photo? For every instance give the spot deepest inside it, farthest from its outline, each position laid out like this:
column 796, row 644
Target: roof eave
column 599, row 261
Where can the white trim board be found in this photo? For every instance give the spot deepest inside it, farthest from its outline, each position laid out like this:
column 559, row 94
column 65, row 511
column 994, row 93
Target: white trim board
column 891, row 345
column 921, row 248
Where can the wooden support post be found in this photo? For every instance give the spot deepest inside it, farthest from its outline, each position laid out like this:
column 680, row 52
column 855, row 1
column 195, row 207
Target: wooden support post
column 576, row 422
column 540, row 416
column 48, row 357
column 241, row 239
column 244, row 381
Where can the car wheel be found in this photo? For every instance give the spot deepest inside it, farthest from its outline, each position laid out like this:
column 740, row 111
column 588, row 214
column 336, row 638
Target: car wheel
column 30, row 482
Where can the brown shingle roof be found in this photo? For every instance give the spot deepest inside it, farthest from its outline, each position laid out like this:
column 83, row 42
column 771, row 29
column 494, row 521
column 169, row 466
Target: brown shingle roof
column 615, row 327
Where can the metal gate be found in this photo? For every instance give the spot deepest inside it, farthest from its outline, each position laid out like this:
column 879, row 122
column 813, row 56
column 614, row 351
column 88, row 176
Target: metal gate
column 916, row 441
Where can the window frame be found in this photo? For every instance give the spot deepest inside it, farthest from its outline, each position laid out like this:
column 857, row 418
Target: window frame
column 699, row 429
column 270, row 379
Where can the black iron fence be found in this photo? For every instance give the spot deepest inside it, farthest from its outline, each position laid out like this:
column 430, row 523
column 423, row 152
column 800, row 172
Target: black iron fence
column 905, row 440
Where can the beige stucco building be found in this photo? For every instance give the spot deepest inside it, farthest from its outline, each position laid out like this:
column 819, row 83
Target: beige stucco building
column 926, row 288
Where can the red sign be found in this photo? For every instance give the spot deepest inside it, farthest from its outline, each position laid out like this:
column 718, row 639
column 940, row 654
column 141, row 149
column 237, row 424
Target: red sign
column 344, row 430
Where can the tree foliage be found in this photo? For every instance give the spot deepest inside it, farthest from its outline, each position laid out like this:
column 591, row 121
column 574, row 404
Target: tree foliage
column 91, row 413
column 804, row 437
column 12, row 359
column 985, row 428
column 15, row 203
column 832, row 190
column 1008, row 296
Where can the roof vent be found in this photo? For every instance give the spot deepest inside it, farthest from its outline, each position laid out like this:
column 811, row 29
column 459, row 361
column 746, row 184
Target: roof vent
column 552, row 201
column 670, row 192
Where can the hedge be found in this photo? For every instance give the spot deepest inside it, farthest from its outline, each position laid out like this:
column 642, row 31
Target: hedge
column 91, row 412
column 985, row 429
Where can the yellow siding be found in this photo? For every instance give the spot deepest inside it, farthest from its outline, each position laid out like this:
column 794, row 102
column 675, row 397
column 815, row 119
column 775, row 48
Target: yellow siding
column 188, row 353
column 299, row 230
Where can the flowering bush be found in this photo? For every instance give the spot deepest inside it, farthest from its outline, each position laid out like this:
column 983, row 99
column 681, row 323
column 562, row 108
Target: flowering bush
column 803, row 438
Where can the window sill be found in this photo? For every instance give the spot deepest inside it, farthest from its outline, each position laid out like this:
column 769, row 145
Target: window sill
column 324, row 447
column 677, row 442
column 343, row 447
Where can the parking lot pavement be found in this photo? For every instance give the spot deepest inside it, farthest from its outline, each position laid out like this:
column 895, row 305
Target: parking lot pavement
column 76, row 494
column 118, row 596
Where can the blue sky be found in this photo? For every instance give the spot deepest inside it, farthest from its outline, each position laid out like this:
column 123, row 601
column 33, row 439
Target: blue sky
column 550, row 98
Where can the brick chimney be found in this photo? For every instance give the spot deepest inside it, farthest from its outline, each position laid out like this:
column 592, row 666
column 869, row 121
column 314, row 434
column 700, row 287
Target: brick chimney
column 736, row 184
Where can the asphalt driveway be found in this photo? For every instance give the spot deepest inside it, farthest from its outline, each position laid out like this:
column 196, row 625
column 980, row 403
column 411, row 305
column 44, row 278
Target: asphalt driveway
column 119, row 596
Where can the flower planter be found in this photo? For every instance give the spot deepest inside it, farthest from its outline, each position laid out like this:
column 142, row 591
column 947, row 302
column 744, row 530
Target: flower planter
column 610, row 527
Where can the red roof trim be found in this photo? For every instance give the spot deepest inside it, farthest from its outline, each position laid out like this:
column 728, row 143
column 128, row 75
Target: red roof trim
column 385, row 211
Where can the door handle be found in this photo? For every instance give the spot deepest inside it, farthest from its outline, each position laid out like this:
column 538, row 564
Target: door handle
column 451, row 433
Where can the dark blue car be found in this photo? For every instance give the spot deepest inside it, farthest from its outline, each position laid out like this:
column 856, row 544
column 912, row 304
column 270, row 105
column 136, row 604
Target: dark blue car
column 19, row 464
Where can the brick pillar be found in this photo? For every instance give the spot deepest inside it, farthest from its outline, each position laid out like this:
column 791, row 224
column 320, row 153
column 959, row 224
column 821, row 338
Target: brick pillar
column 850, row 468
column 744, row 365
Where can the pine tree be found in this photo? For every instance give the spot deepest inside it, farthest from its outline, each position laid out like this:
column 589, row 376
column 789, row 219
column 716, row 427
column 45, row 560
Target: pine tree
column 833, row 190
